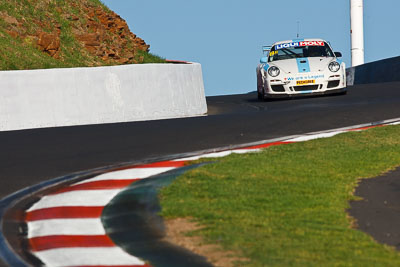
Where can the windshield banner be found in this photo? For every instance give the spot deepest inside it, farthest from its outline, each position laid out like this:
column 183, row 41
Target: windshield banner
column 300, row 44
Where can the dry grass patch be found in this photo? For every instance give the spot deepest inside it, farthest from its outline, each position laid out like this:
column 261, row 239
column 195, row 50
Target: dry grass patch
column 180, row 232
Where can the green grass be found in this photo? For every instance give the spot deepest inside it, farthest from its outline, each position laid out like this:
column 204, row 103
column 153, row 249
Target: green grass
column 42, row 15
column 149, row 58
column 19, row 54
column 286, row 206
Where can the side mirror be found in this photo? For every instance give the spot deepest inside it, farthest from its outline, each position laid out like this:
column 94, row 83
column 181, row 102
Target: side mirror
column 338, row 54
column 263, row 60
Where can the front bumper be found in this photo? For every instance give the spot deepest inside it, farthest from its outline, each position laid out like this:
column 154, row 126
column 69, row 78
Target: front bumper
column 327, row 92
column 310, row 84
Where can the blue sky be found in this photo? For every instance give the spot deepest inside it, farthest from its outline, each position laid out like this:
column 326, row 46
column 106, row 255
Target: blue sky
column 226, row 36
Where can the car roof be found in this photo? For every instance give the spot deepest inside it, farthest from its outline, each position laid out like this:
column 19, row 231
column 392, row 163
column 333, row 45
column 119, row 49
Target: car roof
column 298, row 40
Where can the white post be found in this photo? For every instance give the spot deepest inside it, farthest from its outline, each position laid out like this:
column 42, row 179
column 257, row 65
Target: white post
column 357, row 32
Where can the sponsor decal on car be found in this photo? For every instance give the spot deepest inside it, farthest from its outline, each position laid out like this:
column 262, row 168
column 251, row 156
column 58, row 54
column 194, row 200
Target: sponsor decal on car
column 305, row 82
column 307, row 77
column 310, row 77
column 300, row 44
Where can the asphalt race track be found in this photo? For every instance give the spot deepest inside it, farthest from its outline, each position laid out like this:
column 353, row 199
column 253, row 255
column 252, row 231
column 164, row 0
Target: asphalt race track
column 32, row 156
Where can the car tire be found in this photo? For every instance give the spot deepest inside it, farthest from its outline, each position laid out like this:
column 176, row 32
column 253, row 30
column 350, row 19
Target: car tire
column 260, row 90
column 260, row 96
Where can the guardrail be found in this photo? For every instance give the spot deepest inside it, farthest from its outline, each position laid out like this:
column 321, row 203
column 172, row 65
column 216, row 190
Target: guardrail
column 98, row 95
column 386, row 70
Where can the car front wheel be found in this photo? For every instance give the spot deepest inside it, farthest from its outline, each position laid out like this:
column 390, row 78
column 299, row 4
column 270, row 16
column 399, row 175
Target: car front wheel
column 260, row 96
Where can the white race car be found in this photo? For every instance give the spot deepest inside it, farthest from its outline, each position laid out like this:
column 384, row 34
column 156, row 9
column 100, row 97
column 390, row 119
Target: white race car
column 300, row 67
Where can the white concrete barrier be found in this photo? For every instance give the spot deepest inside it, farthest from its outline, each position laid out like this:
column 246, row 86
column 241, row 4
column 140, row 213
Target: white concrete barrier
column 82, row 96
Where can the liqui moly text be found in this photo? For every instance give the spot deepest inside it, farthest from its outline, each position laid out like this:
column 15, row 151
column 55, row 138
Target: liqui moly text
column 300, row 44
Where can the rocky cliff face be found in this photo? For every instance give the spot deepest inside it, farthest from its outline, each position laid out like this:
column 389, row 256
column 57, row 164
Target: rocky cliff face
column 63, row 28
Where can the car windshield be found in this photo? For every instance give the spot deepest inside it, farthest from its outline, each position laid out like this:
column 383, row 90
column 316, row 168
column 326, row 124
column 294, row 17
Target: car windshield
column 300, row 50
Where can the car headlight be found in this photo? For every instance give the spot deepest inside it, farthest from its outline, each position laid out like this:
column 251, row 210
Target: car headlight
column 334, row 66
column 274, row 71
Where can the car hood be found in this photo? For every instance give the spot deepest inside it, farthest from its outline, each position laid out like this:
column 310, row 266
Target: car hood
column 296, row 65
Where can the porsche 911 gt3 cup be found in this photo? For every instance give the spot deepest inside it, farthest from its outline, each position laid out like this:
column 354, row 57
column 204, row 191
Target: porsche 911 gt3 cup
column 300, row 67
